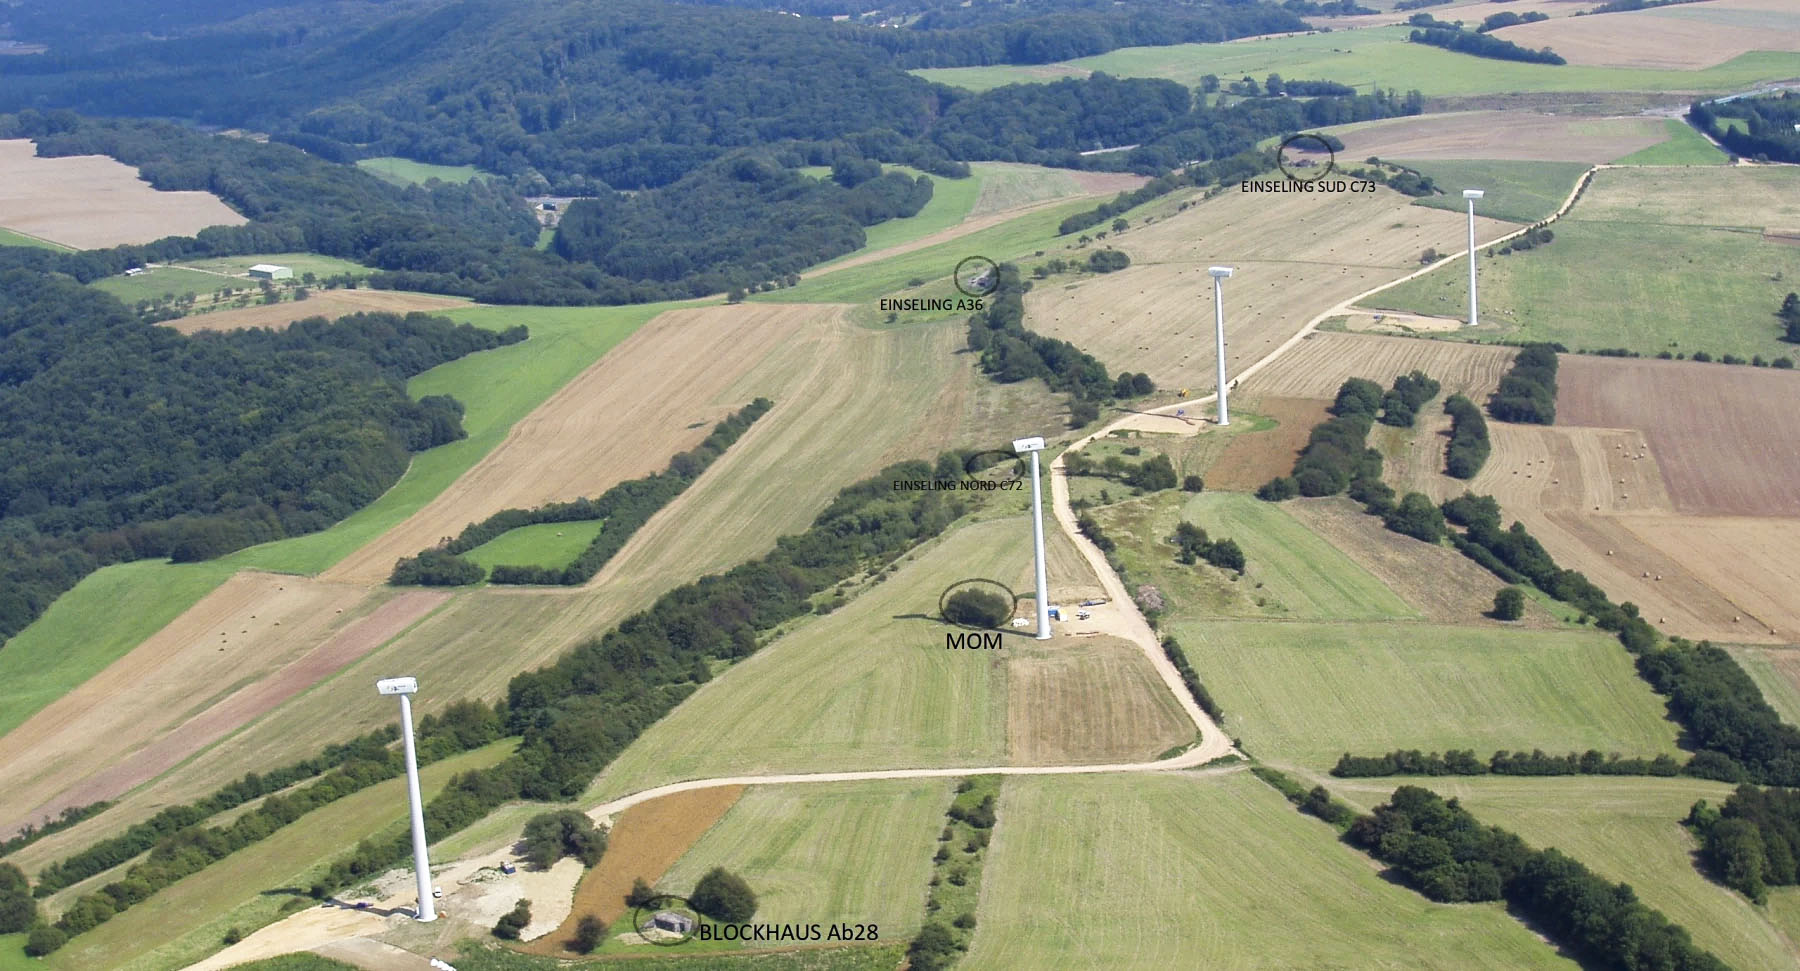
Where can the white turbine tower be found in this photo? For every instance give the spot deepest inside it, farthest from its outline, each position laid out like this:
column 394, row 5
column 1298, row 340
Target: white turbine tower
column 1034, row 446
column 421, row 863
column 1472, row 195
column 1219, row 273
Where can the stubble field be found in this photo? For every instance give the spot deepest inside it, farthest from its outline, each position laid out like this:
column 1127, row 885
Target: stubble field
column 1493, row 135
column 1667, row 39
column 91, row 201
column 330, row 304
column 1295, row 254
column 1324, row 361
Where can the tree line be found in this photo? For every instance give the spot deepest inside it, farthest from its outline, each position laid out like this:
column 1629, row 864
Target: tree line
column 1483, row 45
column 1768, row 133
column 1178, row 657
column 127, row 441
column 187, row 849
column 1535, row 763
column 1011, row 353
column 575, row 715
column 1469, row 445
column 625, row 507
column 1336, row 453
column 1527, row 393
column 1751, row 842
column 1441, row 850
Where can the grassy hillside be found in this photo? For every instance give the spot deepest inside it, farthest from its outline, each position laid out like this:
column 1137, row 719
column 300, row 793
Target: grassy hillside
column 300, row 263
column 405, row 171
column 842, row 852
column 10, row 238
column 1605, row 280
column 108, row 613
column 871, row 686
column 547, row 545
column 1291, row 572
column 1626, row 830
column 185, row 922
column 164, row 280
column 1381, row 57
column 1151, row 872
column 1520, row 192
column 1684, row 147
column 1305, row 693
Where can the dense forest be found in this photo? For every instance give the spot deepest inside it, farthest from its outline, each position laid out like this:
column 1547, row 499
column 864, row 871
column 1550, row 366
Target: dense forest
column 127, row 441
column 1769, row 134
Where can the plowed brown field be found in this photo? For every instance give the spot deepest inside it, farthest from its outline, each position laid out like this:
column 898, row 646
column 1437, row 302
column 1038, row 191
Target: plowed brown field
column 90, row 201
column 246, row 647
column 646, row 840
column 323, row 303
column 1294, row 253
column 1254, row 458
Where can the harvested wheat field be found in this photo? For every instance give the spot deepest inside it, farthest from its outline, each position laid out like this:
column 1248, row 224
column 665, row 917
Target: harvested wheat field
column 1722, row 434
column 1684, row 37
column 1514, row 135
column 330, row 304
column 1325, row 360
column 658, row 393
column 1471, row 12
column 644, row 842
column 1254, row 458
column 1595, row 499
column 1295, row 255
column 252, row 643
column 91, row 201
column 1093, row 700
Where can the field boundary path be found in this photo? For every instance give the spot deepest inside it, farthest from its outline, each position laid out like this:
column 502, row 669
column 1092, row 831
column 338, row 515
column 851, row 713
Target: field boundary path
column 1213, row 743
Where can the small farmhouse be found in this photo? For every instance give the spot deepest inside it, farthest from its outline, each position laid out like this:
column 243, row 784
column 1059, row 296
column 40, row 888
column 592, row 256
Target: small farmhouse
column 269, row 271
column 669, row 920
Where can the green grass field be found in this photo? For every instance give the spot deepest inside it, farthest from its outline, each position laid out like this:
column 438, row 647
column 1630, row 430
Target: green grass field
column 1604, row 284
column 1291, row 570
column 490, row 956
column 163, row 280
column 1166, row 871
column 934, row 264
column 1379, row 57
column 300, row 263
column 1302, row 694
column 10, row 238
column 546, row 545
column 108, row 613
column 405, row 171
column 1684, row 147
column 185, row 921
column 847, row 853
column 1520, row 192
column 951, row 202
column 869, row 686
column 1625, row 829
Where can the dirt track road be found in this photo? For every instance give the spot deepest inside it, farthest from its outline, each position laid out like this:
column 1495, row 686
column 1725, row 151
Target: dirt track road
column 311, row 929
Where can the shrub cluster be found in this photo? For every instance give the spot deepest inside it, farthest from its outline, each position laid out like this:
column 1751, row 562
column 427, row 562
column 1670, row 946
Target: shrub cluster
column 1335, row 454
column 1469, row 445
column 1789, row 315
column 509, row 925
column 625, row 508
column 1510, row 19
column 1151, row 475
column 1400, row 406
column 1753, row 841
column 1194, row 546
column 1484, row 45
column 1503, row 762
column 977, row 608
column 1527, row 393
column 18, row 912
column 1539, row 235
column 1108, row 260
column 551, row 836
column 1441, row 850
column 1316, row 801
column 1203, row 698
column 724, row 896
